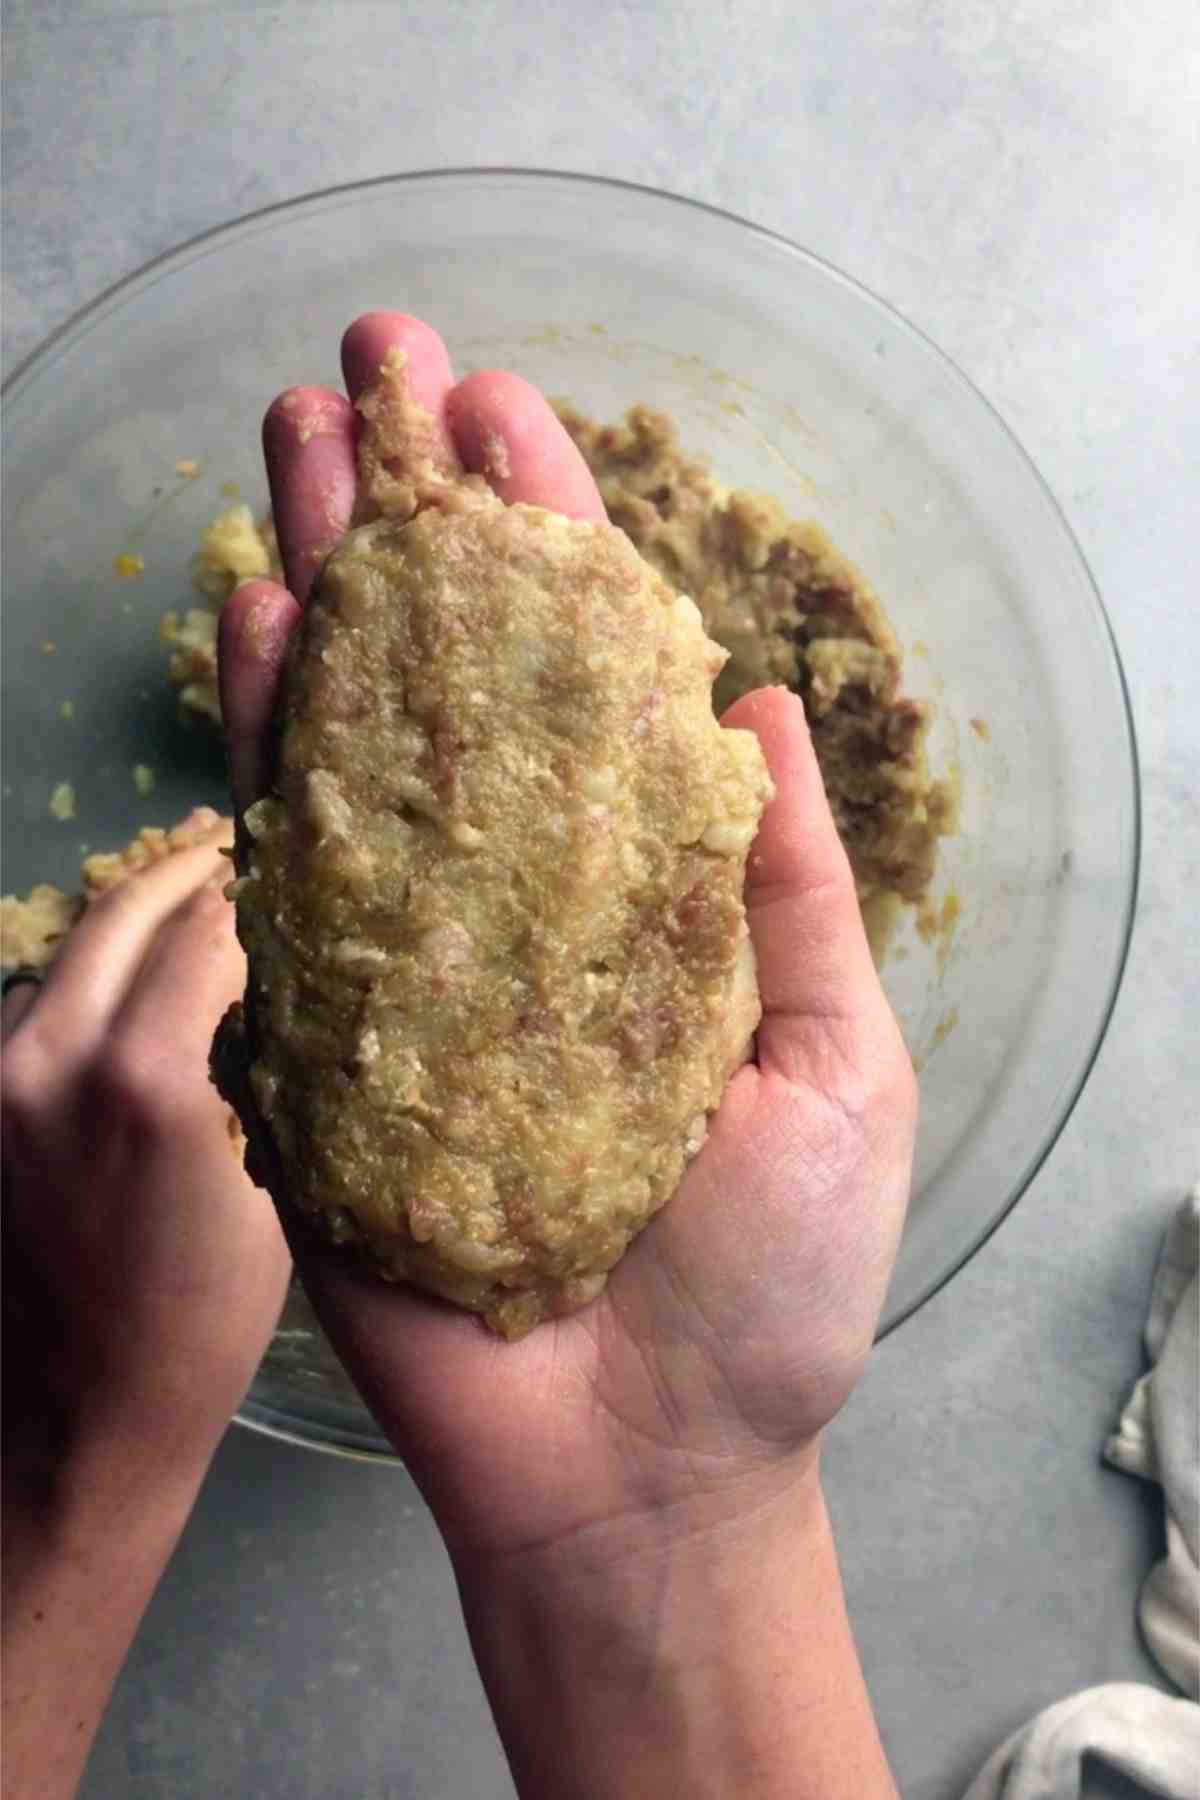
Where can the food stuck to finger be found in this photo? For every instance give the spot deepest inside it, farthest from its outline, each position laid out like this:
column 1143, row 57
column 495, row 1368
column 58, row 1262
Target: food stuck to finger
column 33, row 930
column 499, row 968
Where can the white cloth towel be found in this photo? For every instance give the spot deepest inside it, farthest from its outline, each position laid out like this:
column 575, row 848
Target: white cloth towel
column 1158, row 1437
column 1147, row 1739
column 1120, row 1729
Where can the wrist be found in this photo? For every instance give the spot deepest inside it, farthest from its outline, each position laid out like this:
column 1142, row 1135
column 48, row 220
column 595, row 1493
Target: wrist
column 648, row 1659
column 87, row 1532
column 644, row 1544
column 82, row 1483
column 85, row 1542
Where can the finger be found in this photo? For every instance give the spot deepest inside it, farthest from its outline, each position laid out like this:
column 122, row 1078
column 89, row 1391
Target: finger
column 256, row 623
column 309, row 438
column 192, row 972
column 21, row 995
column 308, row 443
column 506, row 430
column 371, row 339
column 105, row 950
column 813, row 959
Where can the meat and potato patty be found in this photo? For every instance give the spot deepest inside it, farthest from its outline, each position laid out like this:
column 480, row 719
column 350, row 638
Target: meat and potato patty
column 499, row 964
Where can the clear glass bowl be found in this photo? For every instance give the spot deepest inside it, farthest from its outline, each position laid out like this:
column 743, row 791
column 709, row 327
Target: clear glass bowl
column 794, row 380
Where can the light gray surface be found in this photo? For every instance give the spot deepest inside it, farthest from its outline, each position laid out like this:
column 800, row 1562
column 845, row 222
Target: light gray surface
column 1019, row 179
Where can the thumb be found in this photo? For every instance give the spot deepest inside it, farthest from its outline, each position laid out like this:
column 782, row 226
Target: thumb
column 814, row 963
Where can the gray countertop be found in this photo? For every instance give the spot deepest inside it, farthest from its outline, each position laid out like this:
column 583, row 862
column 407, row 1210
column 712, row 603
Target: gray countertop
column 1018, row 177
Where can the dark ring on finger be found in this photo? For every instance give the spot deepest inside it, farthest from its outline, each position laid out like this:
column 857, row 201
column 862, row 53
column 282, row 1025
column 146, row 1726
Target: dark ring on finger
column 24, row 974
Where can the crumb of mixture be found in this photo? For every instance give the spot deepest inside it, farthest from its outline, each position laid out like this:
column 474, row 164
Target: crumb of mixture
column 191, row 637
column 66, row 709
column 143, row 778
column 188, row 467
column 982, row 730
column 32, row 929
column 62, row 801
column 499, row 966
column 234, row 548
column 497, row 465
column 129, row 564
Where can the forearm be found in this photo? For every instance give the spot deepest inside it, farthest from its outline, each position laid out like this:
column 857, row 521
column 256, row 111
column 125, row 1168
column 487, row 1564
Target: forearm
column 84, row 1547
column 724, row 1666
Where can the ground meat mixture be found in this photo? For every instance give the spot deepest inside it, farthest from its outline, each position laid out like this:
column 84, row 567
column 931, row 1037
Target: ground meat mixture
column 499, row 964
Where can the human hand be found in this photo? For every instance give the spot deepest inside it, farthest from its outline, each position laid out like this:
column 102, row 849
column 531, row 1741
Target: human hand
column 143, row 1271
column 697, row 1386
column 143, row 1276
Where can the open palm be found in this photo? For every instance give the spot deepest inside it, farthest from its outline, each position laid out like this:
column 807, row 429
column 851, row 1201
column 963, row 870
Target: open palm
column 737, row 1323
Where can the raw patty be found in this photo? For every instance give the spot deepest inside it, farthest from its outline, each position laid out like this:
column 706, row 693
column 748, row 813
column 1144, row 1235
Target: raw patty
column 499, row 964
